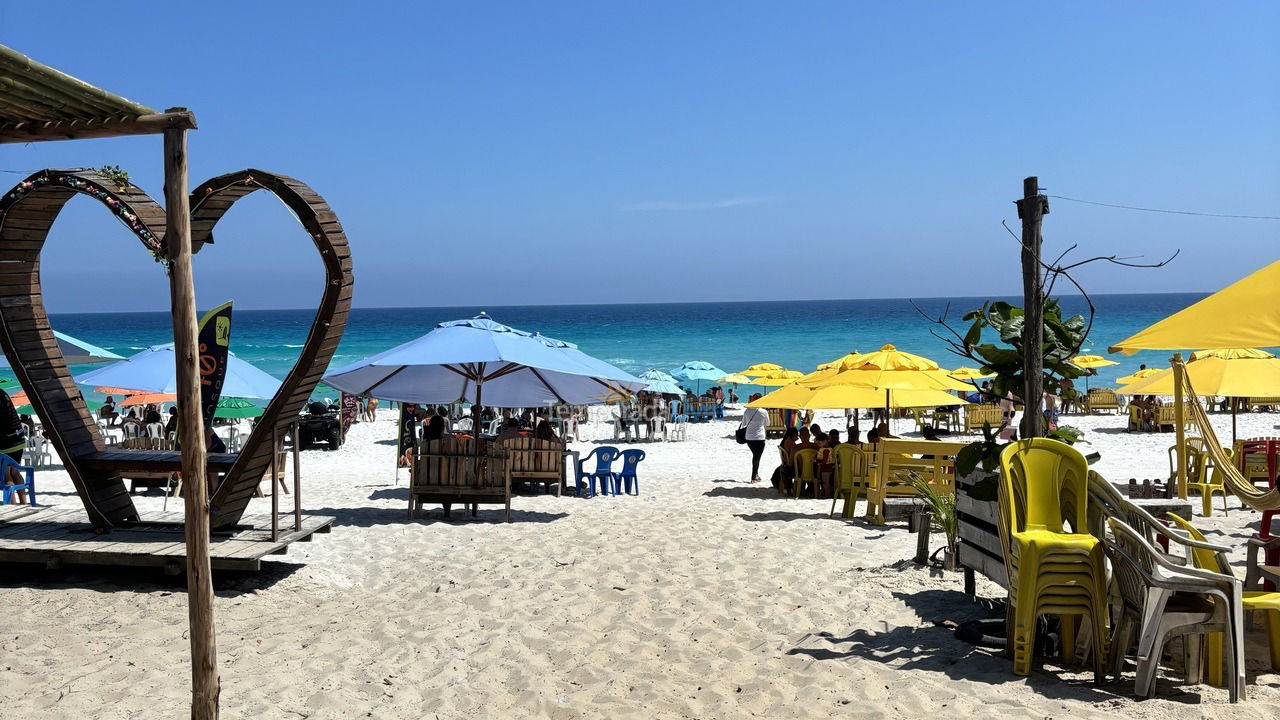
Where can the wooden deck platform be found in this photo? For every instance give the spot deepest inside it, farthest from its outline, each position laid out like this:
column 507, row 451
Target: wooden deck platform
column 56, row 537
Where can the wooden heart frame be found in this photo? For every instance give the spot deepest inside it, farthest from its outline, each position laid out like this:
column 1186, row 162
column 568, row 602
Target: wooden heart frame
column 28, row 211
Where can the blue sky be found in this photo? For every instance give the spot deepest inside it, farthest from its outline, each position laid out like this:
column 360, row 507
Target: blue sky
column 584, row 152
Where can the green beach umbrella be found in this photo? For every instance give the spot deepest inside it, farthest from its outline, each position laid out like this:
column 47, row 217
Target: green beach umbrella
column 234, row 407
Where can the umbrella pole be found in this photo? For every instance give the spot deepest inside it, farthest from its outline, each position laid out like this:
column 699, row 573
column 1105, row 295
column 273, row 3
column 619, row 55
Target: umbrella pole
column 475, row 422
column 1180, row 432
column 1234, row 408
column 887, row 423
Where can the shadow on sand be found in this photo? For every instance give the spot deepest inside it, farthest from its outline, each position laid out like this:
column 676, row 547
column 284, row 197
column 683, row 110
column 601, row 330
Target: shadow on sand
column 749, row 492
column 780, row 515
column 369, row 516
column 935, row 648
column 226, row 583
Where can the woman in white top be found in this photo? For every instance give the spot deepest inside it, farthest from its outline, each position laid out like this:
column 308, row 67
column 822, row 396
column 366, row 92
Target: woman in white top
column 754, row 421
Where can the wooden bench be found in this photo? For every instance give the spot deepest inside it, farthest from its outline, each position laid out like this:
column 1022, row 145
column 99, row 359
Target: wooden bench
column 894, row 458
column 536, row 461
column 1101, row 401
column 1167, row 418
column 777, row 426
column 455, row 470
column 978, row 416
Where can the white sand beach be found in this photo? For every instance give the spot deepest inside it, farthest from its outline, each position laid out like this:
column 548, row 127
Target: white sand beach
column 705, row 596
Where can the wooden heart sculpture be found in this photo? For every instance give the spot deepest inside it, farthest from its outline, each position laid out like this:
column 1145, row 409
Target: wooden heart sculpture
column 28, row 211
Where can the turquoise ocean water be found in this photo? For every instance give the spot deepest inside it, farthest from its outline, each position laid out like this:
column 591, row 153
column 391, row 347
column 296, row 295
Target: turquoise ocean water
column 798, row 334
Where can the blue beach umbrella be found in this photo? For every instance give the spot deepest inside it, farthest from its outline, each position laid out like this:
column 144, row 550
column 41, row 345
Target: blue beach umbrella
column 696, row 372
column 153, row 370
column 75, row 351
column 485, row 363
column 661, row 383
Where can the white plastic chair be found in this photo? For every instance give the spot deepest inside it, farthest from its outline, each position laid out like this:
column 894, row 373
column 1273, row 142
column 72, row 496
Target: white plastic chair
column 1148, row 582
column 657, row 427
column 155, row 431
column 235, row 438
column 37, row 452
column 676, row 431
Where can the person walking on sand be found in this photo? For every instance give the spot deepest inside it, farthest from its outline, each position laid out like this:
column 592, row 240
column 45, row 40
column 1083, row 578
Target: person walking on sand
column 754, row 421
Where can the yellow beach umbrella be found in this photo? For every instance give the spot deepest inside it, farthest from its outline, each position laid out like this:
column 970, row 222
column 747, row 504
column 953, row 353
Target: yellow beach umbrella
column 1092, row 362
column 839, row 397
column 777, row 379
column 1244, row 314
column 829, row 369
column 1213, row 375
column 1142, row 374
column 891, row 369
column 734, row 379
column 968, row 373
column 762, row 369
column 1229, row 373
column 844, row 362
column 1232, row 354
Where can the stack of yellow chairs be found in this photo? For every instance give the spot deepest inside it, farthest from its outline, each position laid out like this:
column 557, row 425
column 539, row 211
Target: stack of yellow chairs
column 1266, row 602
column 1051, row 570
column 853, row 476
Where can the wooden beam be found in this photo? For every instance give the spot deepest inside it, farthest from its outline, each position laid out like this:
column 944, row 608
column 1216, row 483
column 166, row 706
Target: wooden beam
column 113, row 126
column 1031, row 209
column 204, row 658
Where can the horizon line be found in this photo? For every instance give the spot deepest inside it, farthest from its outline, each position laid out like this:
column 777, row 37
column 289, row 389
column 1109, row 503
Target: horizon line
column 686, row 302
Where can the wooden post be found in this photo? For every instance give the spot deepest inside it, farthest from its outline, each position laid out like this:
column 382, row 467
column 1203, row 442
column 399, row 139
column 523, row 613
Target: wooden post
column 205, row 687
column 1180, row 432
column 275, row 485
column 1031, row 208
column 297, row 481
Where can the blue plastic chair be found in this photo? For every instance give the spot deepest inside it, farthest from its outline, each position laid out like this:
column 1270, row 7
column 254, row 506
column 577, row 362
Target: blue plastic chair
column 627, row 476
column 604, row 455
column 677, row 412
column 29, row 486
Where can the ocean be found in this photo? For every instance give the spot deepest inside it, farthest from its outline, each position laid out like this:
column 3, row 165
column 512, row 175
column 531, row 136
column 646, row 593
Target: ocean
column 795, row 334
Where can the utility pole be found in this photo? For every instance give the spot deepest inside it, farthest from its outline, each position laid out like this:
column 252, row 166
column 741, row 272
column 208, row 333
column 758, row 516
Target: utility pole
column 1032, row 207
column 205, row 687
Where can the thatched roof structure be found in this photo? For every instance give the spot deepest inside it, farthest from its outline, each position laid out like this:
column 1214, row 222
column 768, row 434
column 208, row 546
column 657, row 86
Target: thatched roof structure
column 39, row 103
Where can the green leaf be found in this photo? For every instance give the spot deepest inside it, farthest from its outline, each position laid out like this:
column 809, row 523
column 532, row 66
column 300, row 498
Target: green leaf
column 968, row 458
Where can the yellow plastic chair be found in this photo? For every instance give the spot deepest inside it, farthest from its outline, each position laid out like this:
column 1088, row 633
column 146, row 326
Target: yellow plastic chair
column 1203, row 474
column 805, row 464
column 1265, row 602
column 853, row 474
column 1135, row 419
column 1051, row 570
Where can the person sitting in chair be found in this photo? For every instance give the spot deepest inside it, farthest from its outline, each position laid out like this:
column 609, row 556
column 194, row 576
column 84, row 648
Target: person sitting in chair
column 510, row 430
column 435, row 427
column 783, row 475
column 108, row 411
column 545, row 431
column 13, row 441
column 215, row 444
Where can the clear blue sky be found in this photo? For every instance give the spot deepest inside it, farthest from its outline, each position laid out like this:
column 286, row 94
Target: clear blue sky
column 582, row 152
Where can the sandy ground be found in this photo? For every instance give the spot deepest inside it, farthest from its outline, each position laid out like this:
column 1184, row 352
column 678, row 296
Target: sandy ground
column 703, row 597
